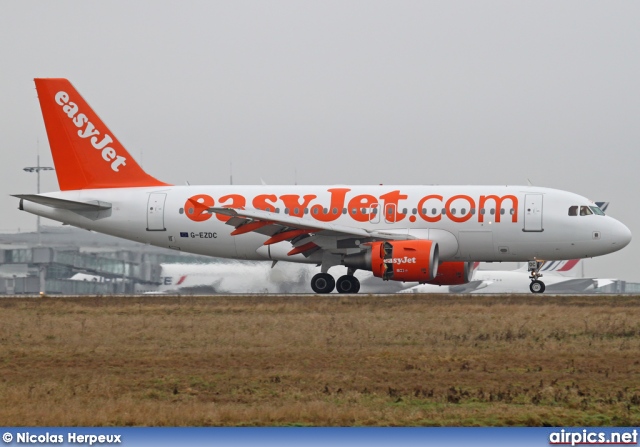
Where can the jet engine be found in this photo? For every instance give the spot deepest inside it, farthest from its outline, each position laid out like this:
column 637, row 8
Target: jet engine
column 453, row 274
column 411, row 260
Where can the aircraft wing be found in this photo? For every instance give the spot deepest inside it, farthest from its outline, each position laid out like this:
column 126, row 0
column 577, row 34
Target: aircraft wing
column 469, row 287
column 306, row 235
column 577, row 285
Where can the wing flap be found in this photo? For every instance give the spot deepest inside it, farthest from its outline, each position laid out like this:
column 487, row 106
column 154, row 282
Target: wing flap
column 301, row 223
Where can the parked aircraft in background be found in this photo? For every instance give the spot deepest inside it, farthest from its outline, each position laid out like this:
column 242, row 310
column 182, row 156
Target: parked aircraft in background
column 222, row 277
column 426, row 234
column 560, row 277
column 231, row 277
column 238, row 277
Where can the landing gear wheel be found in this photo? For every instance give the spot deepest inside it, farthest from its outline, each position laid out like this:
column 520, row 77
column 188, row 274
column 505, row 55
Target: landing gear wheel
column 537, row 286
column 348, row 284
column 323, row 283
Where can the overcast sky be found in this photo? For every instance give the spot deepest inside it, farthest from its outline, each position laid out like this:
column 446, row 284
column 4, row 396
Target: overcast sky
column 355, row 92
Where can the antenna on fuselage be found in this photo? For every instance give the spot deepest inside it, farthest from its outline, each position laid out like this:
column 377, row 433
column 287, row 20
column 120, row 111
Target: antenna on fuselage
column 231, row 173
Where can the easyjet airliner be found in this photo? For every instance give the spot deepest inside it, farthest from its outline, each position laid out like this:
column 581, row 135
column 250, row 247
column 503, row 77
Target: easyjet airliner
column 428, row 234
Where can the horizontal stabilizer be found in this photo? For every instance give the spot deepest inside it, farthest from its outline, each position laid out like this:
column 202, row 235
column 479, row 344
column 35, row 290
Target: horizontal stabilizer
column 71, row 205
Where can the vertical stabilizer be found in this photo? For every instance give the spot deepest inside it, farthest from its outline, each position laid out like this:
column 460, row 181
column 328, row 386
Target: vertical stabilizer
column 85, row 152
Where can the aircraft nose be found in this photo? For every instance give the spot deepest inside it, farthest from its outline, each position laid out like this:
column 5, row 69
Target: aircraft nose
column 621, row 235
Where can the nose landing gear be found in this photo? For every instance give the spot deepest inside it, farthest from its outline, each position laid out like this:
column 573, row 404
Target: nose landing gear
column 536, row 285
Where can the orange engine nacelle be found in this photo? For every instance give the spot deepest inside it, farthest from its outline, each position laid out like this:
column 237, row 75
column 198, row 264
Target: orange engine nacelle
column 453, row 274
column 414, row 260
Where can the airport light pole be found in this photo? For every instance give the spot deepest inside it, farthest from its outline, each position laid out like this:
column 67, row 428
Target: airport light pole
column 37, row 170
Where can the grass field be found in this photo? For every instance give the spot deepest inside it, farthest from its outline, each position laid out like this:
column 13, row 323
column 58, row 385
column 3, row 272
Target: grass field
column 330, row 360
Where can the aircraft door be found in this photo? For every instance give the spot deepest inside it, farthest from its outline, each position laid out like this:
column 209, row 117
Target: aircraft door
column 155, row 211
column 533, row 212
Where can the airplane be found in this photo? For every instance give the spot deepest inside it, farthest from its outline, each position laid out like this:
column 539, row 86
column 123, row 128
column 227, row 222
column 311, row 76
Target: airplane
column 230, row 277
column 424, row 233
column 561, row 277
column 220, row 277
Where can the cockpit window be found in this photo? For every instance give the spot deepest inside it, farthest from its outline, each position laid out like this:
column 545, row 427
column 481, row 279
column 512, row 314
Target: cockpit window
column 597, row 210
column 573, row 210
column 585, row 211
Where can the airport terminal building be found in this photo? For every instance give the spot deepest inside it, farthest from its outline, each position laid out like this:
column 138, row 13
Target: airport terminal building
column 34, row 262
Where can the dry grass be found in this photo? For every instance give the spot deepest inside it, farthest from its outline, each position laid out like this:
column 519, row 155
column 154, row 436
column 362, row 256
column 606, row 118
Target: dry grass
column 309, row 360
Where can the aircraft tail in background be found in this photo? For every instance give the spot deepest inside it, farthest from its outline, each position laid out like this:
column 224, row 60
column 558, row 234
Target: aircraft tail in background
column 560, row 268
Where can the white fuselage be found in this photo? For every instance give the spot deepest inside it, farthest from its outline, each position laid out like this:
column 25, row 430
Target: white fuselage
column 470, row 223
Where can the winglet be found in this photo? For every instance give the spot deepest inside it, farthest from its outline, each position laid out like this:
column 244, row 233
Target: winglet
column 85, row 152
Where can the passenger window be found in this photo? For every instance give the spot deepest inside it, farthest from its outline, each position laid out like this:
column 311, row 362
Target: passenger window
column 585, row 211
column 573, row 211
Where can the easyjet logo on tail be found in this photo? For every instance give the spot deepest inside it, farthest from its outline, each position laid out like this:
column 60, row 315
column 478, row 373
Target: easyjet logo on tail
column 88, row 130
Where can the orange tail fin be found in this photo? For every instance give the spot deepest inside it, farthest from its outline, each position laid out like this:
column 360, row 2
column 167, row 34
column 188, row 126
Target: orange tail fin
column 85, row 152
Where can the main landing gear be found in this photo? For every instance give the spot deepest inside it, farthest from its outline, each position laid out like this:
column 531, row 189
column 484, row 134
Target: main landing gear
column 536, row 285
column 324, row 283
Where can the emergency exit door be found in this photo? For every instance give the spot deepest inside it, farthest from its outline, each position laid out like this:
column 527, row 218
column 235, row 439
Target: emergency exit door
column 155, row 212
